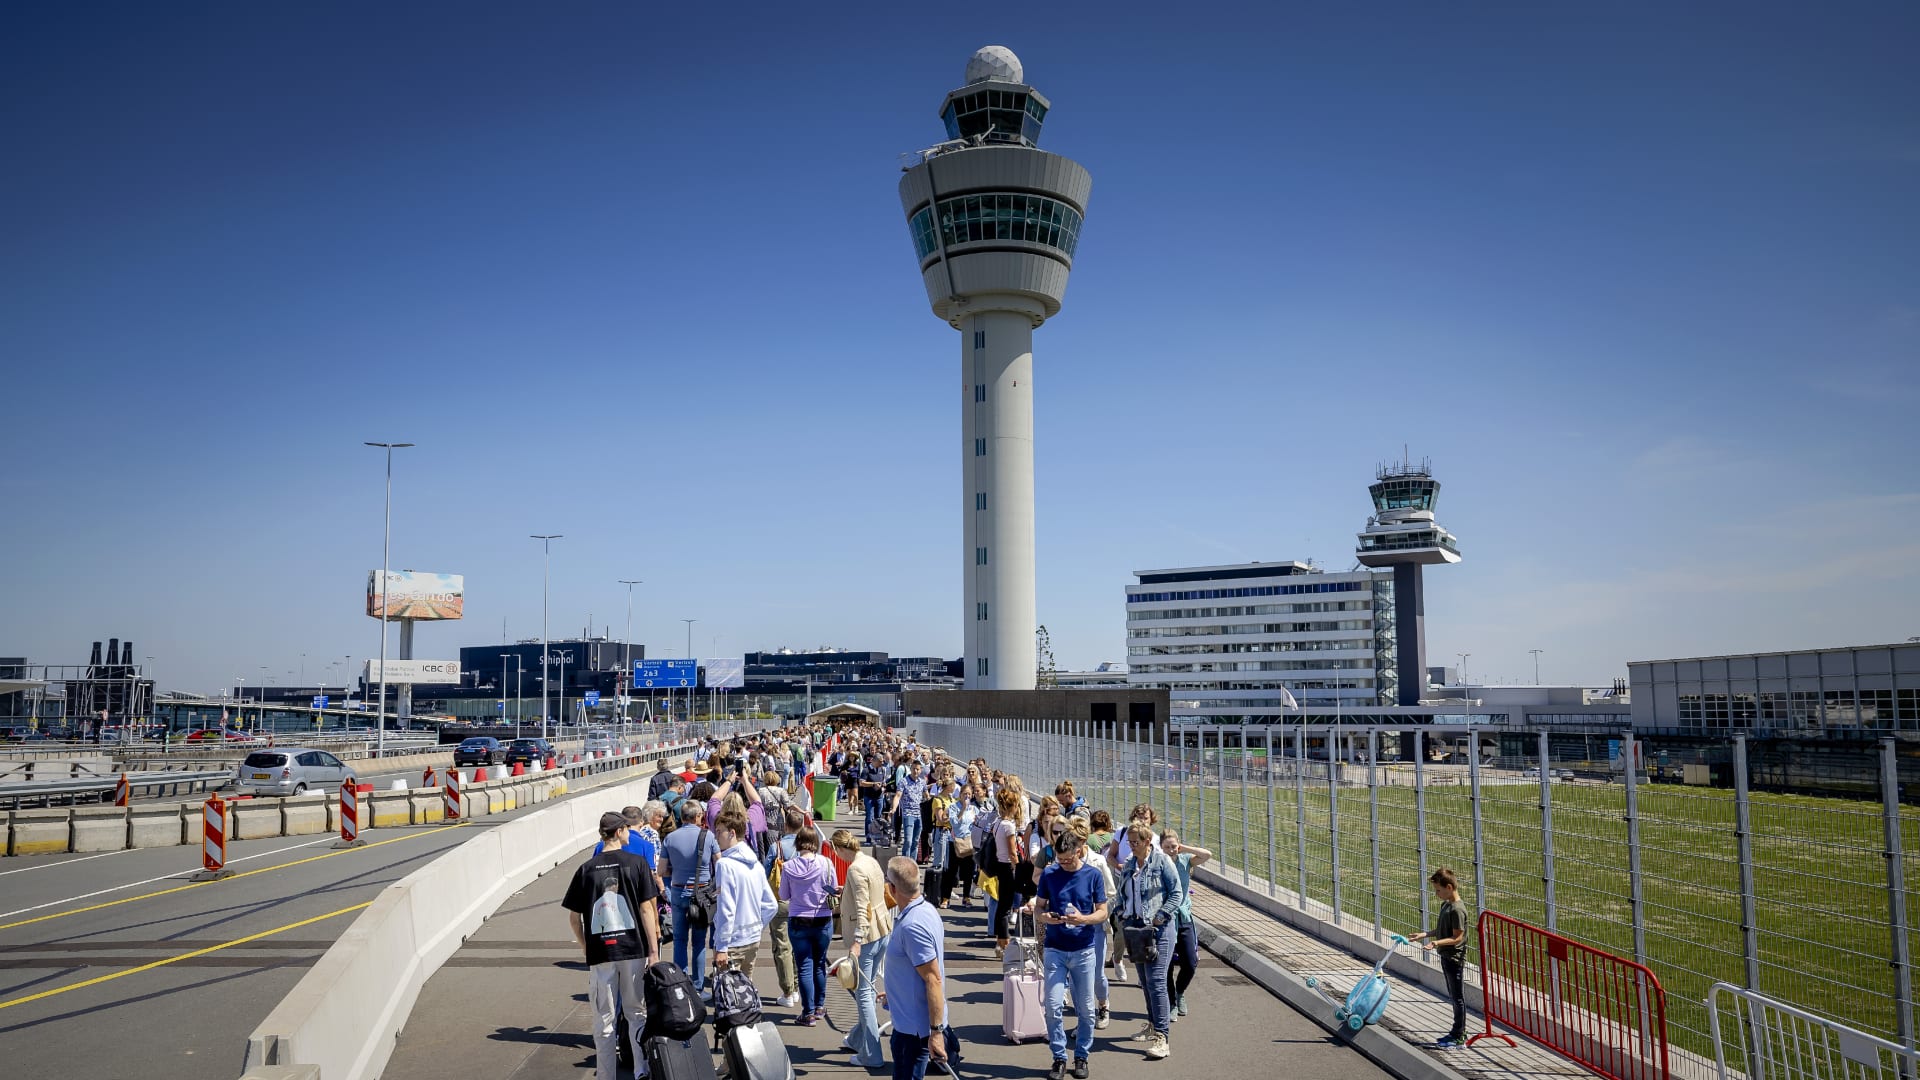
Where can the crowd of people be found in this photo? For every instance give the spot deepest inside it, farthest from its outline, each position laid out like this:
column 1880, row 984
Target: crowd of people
column 725, row 857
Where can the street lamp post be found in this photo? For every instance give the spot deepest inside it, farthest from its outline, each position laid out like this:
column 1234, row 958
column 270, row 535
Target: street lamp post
column 626, row 671
column 503, row 686
column 546, row 578
column 386, row 551
column 696, row 667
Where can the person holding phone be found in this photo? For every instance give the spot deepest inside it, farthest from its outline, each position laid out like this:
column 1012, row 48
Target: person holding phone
column 1071, row 902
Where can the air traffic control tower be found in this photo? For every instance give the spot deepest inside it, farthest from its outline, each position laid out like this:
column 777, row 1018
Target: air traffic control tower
column 1403, row 534
column 994, row 222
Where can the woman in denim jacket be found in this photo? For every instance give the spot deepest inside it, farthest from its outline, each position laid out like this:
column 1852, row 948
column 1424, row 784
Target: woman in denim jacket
column 1150, row 895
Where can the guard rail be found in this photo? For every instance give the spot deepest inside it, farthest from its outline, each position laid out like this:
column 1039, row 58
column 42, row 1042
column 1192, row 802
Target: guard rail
column 45, row 791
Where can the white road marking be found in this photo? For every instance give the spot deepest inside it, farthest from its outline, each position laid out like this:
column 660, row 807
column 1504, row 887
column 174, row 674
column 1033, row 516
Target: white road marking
column 163, row 877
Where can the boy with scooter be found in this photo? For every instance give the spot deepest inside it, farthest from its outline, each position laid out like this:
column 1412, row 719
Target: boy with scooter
column 1449, row 936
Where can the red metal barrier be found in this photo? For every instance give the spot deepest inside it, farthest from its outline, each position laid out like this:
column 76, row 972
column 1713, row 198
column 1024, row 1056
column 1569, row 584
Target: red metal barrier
column 1600, row 1010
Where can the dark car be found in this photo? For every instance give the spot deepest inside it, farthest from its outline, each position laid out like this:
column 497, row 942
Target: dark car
column 528, row 751
column 479, row 750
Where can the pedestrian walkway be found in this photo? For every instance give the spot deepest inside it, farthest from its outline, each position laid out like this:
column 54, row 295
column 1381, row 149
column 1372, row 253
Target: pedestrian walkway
column 511, row 1004
column 1417, row 1015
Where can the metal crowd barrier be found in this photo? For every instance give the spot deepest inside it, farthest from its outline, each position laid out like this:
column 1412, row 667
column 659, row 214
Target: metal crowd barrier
column 1594, row 1008
column 44, row 791
column 1776, row 1041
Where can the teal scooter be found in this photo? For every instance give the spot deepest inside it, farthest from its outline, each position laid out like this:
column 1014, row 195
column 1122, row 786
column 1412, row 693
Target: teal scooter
column 1366, row 1003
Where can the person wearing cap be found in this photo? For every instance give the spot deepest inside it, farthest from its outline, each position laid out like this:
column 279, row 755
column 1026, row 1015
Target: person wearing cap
column 610, row 908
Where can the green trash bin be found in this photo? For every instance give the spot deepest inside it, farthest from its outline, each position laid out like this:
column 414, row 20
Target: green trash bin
column 826, row 794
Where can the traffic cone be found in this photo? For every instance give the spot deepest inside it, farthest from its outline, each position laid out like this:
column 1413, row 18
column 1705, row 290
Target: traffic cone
column 519, row 768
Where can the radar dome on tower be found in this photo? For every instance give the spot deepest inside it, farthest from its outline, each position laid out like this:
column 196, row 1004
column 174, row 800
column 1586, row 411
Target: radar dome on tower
column 995, row 63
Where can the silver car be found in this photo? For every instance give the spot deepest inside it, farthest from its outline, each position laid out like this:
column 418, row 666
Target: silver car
column 292, row 770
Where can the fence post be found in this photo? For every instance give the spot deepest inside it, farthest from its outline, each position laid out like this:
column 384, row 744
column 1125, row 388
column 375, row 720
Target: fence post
column 1743, row 838
column 1896, row 892
column 1273, row 852
column 1246, row 827
column 1333, row 817
column 1373, row 821
column 1631, row 748
column 1184, row 782
column 1300, row 805
column 1473, row 798
column 1546, row 834
column 1220, row 786
column 1420, row 819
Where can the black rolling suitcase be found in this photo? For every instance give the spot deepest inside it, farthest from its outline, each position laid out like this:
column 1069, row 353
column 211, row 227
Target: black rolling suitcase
column 679, row 1059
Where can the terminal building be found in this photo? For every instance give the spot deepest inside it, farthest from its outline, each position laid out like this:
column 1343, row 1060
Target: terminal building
column 1860, row 692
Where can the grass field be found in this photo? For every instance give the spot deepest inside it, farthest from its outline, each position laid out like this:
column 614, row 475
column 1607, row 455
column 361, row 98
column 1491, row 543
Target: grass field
column 1819, row 875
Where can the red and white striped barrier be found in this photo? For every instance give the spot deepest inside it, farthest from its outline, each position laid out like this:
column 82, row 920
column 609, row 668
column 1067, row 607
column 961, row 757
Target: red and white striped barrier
column 213, row 841
column 426, row 778
column 350, row 815
column 123, row 791
column 453, row 794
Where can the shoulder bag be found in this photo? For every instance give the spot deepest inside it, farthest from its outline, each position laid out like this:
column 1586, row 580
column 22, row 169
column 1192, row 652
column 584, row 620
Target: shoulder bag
column 703, row 894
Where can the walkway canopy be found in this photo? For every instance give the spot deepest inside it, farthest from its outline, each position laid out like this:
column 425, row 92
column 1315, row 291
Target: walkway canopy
column 848, row 713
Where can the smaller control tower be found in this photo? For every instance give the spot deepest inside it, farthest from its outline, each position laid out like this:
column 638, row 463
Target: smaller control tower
column 1403, row 534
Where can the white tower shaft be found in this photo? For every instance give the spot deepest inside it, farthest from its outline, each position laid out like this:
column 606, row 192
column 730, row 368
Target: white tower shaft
column 996, row 360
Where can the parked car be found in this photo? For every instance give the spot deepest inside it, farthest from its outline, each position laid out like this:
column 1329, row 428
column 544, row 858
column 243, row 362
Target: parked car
column 293, row 770
column 595, row 742
column 479, row 750
column 217, row 735
column 528, row 751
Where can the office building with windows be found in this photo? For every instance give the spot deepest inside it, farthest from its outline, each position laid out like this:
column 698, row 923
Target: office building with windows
column 994, row 223
column 1860, row 692
column 1260, row 643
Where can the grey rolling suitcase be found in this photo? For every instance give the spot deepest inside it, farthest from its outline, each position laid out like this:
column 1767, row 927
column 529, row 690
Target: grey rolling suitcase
column 756, row 1053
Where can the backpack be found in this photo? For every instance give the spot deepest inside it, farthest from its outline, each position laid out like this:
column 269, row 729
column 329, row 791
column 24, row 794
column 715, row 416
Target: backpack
column 674, row 1008
column 736, row 1001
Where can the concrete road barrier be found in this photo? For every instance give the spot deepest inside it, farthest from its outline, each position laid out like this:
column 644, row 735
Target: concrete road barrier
column 254, row 819
column 153, row 826
column 97, row 828
column 346, row 1012
column 389, row 809
column 305, row 815
column 38, row 832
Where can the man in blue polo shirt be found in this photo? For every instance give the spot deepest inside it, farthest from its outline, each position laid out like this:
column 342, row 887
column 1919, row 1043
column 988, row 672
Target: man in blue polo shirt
column 916, row 973
column 1071, row 901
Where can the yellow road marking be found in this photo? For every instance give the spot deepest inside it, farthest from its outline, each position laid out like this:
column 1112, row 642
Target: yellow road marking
column 235, row 877
column 183, row 956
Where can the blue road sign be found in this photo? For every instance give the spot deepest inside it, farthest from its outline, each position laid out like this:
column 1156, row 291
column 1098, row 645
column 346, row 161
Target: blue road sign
column 593, row 698
column 320, row 701
column 499, row 706
column 665, row 674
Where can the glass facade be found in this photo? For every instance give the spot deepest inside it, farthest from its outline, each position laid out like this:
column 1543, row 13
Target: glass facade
column 1839, row 692
column 1000, row 115
column 968, row 219
column 1404, row 493
column 1230, row 660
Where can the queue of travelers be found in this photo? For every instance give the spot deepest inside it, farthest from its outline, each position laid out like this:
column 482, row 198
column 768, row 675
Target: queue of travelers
column 723, row 857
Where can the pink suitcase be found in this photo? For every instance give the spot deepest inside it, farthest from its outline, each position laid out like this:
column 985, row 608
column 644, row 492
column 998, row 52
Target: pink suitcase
column 1022, row 1014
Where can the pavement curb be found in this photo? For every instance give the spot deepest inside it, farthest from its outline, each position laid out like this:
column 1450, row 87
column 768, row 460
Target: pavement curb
column 1377, row 1044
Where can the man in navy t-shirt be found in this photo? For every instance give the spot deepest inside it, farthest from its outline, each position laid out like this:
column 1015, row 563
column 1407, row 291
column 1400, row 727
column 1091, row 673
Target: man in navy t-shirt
column 1071, row 902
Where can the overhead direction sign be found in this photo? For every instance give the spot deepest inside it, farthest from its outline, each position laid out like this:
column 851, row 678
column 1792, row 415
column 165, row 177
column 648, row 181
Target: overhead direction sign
column 593, row 697
column 664, row 674
column 320, row 701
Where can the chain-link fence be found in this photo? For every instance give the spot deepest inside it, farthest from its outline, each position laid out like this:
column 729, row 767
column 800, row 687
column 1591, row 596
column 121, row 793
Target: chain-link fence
column 1802, row 898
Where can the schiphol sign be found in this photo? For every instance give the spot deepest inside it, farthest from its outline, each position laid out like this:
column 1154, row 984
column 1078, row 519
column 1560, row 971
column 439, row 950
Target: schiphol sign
column 665, row 674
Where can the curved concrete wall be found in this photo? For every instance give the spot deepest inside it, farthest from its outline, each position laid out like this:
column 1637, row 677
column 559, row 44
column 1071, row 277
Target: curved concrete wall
column 346, row 1012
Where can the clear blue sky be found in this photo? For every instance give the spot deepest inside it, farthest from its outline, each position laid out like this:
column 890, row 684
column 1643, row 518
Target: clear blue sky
column 1643, row 281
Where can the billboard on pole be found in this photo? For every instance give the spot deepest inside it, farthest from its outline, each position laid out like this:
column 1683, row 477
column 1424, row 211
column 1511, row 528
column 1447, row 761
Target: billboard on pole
column 412, row 594
column 726, row 672
column 415, row 671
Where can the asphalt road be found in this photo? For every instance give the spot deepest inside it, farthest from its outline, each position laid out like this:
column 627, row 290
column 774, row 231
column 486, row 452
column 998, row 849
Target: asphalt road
column 116, row 965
